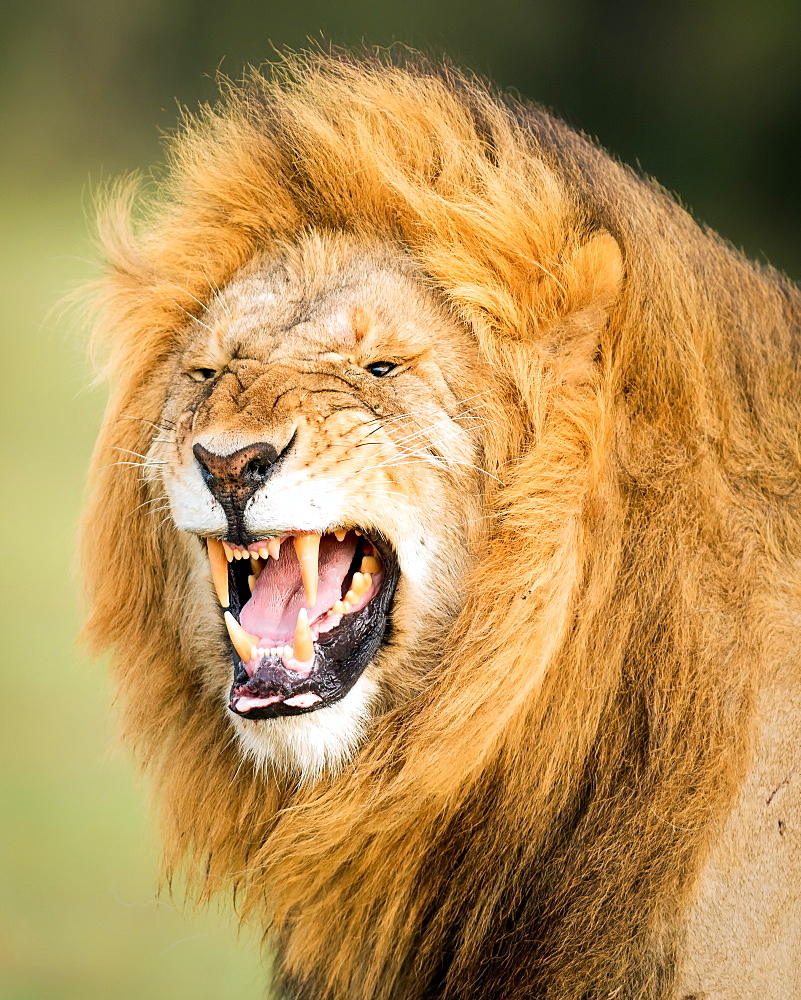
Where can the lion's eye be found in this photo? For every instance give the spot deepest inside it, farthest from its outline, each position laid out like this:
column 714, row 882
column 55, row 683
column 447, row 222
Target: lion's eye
column 380, row 368
column 201, row 374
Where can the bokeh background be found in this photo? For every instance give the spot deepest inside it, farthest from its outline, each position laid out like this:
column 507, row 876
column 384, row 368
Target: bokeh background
column 703, row 94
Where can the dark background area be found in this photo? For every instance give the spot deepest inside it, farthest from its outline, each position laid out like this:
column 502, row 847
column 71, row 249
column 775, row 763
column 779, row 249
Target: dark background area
column 704, row 95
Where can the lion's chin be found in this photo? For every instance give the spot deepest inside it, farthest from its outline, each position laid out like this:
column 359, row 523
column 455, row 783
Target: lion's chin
column 305, row 614
column 307, row 747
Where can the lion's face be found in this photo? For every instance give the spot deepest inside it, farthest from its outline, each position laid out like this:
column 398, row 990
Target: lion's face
column 322, row 441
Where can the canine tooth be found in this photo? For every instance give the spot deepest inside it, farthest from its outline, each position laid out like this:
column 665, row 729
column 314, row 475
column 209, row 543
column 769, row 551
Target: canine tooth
column 303, row 643
column 274, row 548
column 251, row 582
column 370, row 565
column 229, row 552
column 307, row 548
column 242, row 641
column 340, row 535
column 219, row 569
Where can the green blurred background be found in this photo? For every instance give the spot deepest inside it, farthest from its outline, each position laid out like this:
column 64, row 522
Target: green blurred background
column 704, row 95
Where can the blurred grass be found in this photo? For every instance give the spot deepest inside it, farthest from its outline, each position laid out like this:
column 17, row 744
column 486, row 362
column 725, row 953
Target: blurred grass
column 79, row 916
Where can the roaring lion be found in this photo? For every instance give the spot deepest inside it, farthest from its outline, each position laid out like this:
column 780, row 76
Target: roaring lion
column 445, row 529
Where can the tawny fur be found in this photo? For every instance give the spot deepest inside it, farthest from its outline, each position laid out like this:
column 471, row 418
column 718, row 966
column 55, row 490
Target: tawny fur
column 529, row 819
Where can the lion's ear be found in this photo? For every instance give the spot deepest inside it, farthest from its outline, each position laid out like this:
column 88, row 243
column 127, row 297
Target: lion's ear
column 593, row 276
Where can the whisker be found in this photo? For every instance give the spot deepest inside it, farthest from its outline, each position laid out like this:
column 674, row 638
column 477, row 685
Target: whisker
column 191, row 296
column 381, row 493
column 128, row 451
column 387, row 422
column 217, row 293
column 157, row 509
column 449, row 421
column 146, row 465
column 191, row 315
column 146, row 502
column 418, row 458
column 166, row 425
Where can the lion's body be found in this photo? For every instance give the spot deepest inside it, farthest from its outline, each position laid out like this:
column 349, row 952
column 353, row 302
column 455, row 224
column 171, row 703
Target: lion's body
column 743, row 934
column 558, row 780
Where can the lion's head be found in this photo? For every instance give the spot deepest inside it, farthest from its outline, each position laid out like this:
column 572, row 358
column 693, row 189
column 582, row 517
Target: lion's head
column 415, row 535
column 322, row 442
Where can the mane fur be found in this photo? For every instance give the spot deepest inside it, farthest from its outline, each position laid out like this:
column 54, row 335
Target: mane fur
column 532, row 822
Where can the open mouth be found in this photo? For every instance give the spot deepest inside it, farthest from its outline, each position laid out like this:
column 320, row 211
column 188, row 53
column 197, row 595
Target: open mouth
column 305, row 614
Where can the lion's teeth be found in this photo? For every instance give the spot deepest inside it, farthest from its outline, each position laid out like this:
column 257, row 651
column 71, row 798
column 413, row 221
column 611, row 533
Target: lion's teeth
column 219, row 569
column 305, row 700
column 274, row 548
column 370, row 565
column 351, row 597
column 361, row 583
column 264, row 552
column 340, row 535
column 339, row 608
column 242, row 641
column 254, row 652
column 307, row 548
column 229, row 552
column 256, row 566
column 252, row 582
column 303, row 644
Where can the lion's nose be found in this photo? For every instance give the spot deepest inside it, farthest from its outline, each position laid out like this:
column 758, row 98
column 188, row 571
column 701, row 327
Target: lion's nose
column 237, row 476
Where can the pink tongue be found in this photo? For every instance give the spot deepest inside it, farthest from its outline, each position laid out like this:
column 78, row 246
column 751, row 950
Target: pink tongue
column 272, row 611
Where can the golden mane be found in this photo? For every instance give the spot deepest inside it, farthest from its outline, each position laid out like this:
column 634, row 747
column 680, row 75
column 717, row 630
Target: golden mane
column 481, row 844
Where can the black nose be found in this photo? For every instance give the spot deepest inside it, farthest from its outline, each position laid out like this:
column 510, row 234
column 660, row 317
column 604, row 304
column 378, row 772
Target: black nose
column 241, row 472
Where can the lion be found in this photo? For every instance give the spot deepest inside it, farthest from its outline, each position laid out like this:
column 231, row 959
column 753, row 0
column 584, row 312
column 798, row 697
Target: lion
column 450, row 468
